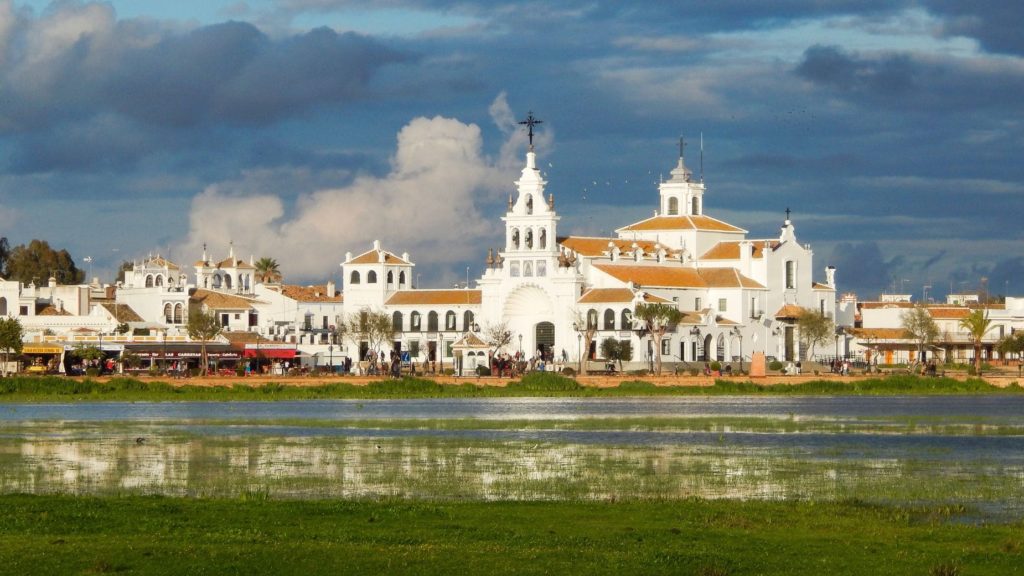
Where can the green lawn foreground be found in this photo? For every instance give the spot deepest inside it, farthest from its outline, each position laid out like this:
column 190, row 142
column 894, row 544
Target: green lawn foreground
column 61, row 389
column 254, row 535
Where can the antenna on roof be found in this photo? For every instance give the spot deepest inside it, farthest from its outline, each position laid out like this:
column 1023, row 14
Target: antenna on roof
column 701, row 156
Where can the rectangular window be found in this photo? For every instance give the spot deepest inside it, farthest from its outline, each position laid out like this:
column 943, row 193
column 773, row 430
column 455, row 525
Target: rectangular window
column 722, row 302
column 448, row 352
column 23, row 310
column 666, row 347
column 513, row 269
column 790, row 275
column 542, row 268
column 414, row 348
column 696, row 304
column 753, row 307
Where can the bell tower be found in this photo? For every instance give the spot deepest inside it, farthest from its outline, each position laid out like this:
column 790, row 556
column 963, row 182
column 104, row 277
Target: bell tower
column 681, row 194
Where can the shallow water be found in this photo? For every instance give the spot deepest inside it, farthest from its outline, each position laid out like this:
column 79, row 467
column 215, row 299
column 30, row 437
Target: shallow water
column 227, row 449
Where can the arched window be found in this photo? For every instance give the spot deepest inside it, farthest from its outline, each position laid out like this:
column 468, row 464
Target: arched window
column 592, row 319
column 467, row 320
column 790, row 274
column 515, row 238
column 529, row 238
column 609, row 319
column 673, row 206
column 227, row 281
column 449, row 320
column 432, row 322
column 168, row 313
column 543, row 241
column 529, row 204
column 3, row 306
column 178, row 313
column 720, row 348
column 159, row 280
column 414, row 321
column 695, row 206
column 354, row 278
column 216, row 280
column 627, row 319
column 149, row 281
column 401, row 278
column 371, row 277
column 391, row 278
column 396, row 321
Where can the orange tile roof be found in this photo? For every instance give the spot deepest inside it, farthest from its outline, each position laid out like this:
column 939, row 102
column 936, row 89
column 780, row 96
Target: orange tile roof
column 244, row 337
column 373, row 257
column 949, row 313
column 122, row 312
column 681, row 223
column 310, row 293
column 615, row 295
column 160, row 261
column 727, row 278
column 877, row 305
column 679, row 277
column 51, row 310
column 590, row 246
column 820, row 286
column 731, row 250
column 470, row 341
column 790, row 311
column 881, row 333
column 221, row 301
column 663, row 276
column 435, row 297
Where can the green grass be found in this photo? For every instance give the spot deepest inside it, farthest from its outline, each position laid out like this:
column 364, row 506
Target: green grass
column 256, row 535
column 60, row 389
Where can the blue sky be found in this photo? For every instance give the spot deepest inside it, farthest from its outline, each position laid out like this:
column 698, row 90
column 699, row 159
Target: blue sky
column 304, row 129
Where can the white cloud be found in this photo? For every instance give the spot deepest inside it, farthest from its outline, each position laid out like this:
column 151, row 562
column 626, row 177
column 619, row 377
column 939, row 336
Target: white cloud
column 429, row 204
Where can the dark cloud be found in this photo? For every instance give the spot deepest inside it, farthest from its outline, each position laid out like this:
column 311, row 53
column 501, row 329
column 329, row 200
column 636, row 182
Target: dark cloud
column 862, row 268
column 994, row 23
column 910, row 82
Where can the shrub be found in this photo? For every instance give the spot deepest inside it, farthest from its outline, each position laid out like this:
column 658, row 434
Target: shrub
column 92, row 372
column 775, row 365
column 568, row 371
column 694, row 372
column 640, row 372
column 483, row 371
column 716, row 366
column 449, row 372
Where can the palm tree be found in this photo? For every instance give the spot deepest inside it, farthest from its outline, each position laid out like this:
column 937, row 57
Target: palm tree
column 268, row 270
column 977, row 323
column 657, row 319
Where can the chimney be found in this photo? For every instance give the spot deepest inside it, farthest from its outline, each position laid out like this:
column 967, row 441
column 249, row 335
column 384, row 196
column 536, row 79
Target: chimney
column 330, row 289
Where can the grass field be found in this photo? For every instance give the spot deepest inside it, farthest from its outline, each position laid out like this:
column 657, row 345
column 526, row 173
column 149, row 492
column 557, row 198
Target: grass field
column 60, row 389
column 255, row 535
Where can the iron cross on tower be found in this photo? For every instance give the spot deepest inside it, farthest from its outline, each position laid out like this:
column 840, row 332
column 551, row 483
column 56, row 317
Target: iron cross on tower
column 530, row 122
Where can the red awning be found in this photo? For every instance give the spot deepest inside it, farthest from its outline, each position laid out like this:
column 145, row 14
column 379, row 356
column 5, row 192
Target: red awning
column 286, row 353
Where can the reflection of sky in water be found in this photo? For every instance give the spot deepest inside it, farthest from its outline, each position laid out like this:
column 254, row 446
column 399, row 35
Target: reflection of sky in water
column 992, row 407
column 91, row 448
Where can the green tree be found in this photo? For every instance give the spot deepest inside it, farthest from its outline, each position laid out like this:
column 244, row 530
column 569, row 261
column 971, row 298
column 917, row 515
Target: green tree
column 977, row 324
column 123, row 270
column 586, row 325
column 374, row 328
column 11, row 336
column 814, row 328
column 268, row 270
column 919, row 325
column 617, row 351
column 1009, row 345
column 657, row 319
column 497, row 336
column 38, row 262
column 88, row 352
column 202, row 326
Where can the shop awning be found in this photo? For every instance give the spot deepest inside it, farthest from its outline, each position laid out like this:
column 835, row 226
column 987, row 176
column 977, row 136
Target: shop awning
column 41, row 349
column 172, row 351
column 277, row 353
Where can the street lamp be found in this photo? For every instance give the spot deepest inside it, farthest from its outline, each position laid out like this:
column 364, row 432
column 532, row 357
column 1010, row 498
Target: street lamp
column 520, row 346
column 330, row 350
column 739, row 334
column 579, row 348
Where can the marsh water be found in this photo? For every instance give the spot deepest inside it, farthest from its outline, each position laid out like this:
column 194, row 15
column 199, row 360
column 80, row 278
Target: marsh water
column 964, row 451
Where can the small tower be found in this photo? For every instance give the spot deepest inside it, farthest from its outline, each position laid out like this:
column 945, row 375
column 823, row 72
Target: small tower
column 681, row 195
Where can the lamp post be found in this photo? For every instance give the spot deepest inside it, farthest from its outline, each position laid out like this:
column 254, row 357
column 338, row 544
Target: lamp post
column 739, row 334
column 330, row 350
column 520, row 346
column 579, row 348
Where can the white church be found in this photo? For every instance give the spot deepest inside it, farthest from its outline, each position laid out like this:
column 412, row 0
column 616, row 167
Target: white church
column 738, row 295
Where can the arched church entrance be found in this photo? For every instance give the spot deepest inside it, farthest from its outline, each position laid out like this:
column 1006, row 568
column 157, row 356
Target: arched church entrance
column 706, row 352
column 544, row 334
column 526, row 309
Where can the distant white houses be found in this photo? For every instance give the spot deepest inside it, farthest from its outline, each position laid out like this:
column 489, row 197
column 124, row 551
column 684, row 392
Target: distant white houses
column 738, row 294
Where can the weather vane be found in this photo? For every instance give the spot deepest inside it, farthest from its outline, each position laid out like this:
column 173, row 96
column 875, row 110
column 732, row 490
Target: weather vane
column 530, row 122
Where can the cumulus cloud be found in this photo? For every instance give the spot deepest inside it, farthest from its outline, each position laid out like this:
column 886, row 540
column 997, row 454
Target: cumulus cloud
column 429, row 204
